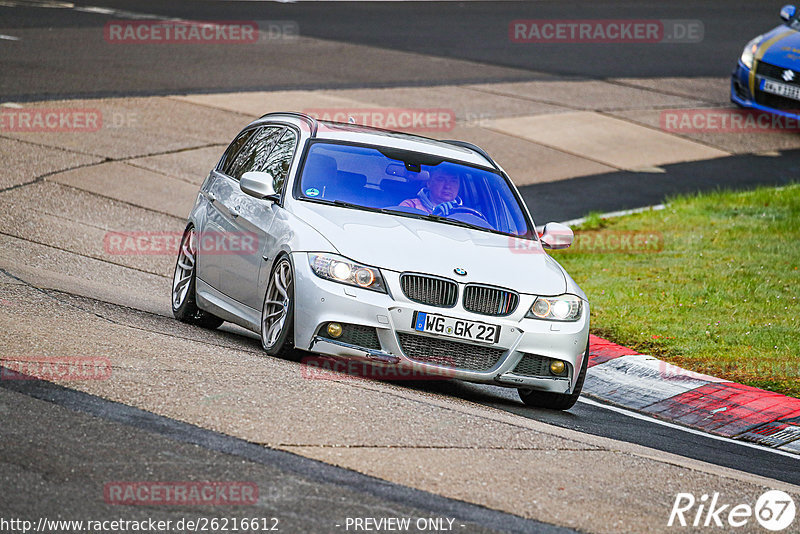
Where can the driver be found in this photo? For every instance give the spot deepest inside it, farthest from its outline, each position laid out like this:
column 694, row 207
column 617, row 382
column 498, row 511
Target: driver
column 439, row 196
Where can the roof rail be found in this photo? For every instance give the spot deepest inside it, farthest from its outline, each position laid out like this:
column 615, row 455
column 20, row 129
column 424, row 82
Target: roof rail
column 312, row 122
column 476, row 148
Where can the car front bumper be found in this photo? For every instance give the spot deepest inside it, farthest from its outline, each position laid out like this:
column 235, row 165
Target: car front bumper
column 747, row 95
column 319, row 301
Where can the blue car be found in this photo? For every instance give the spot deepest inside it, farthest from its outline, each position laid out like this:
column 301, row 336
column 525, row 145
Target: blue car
column 767, row 76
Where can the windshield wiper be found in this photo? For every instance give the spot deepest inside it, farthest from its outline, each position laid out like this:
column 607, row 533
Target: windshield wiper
column 345, row 204
column 429, row 217
column 340, row 203
column 454, row 222
column 401, row 212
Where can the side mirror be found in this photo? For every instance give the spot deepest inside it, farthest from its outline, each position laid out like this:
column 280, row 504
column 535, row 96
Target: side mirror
column 259, row 185
column 788, row 12
column 556, row 235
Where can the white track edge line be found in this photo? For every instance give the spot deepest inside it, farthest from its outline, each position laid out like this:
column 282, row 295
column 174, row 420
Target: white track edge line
column 643, row 417
column 611, row 214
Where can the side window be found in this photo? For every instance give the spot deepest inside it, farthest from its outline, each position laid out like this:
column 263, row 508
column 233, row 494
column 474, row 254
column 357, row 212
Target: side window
column 228, row 159
column 254, row 155
column 280, row 159
column 257, row 151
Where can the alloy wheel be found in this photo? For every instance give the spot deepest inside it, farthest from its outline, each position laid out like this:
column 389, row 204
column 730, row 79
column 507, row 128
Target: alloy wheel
column 276, row 304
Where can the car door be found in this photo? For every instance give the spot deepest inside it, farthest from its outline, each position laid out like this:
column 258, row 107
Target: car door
column 217, row 219
column 234, row 252
column 255, row 218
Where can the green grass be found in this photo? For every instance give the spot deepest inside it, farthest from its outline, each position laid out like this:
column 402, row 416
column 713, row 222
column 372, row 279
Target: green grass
column 723, row 295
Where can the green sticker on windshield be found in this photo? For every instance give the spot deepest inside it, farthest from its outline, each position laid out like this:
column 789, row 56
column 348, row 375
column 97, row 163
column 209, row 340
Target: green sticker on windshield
column 312, row 192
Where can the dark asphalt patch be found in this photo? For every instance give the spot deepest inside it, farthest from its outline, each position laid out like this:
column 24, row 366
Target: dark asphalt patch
column 70, row 57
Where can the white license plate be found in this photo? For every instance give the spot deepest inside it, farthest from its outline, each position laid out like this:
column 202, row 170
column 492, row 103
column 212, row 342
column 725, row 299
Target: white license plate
column 458, row 328
column 781, row 89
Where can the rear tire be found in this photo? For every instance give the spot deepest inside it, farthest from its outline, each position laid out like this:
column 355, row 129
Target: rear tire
column 556, row 401
column 184, row 302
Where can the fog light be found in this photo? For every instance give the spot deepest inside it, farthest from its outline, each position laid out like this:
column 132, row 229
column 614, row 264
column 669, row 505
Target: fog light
column 334, row 330
column 557, row 367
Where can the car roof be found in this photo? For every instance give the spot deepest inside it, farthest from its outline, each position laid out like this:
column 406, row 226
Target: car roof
column 367, row 135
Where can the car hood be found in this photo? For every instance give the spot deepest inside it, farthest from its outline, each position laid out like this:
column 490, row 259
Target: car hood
column 785, row 52
column 397, row 243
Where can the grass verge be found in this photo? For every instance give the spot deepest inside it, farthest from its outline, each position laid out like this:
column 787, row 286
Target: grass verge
column 710, row 283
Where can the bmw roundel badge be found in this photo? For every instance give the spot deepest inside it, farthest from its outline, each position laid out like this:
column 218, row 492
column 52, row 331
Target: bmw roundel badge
column 459, row 271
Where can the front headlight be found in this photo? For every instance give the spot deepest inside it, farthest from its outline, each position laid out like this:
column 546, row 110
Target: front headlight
column 344, row 271
column 561, row 308
column 749, row 52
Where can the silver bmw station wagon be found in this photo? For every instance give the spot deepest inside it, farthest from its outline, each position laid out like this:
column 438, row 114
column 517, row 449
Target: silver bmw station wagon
column 383, row 247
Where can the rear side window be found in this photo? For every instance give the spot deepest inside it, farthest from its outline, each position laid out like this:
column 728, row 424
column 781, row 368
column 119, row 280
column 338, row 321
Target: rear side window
column 226, row 165
column 280, row 159
column 253, row 156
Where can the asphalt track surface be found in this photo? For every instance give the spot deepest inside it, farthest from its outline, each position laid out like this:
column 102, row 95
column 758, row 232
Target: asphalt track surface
column 67, row 56
column 39, row 418
column 599, row 421
column 121, row 441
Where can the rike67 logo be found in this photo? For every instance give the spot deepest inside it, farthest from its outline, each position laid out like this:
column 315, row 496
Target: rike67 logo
column 774, row 510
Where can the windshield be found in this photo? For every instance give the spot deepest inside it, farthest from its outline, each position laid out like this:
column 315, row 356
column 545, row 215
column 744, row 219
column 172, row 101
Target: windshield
column 411, row 184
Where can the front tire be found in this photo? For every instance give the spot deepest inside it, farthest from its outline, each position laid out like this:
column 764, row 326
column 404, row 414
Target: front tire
column 277, row 312
column 184, row 303
column 556, row 401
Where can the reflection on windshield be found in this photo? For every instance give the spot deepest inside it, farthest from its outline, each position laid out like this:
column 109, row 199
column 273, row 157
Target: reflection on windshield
column 397, row 182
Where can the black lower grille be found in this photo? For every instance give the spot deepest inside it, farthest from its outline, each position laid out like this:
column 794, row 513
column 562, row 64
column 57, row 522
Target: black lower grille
column 776, row 101
column 533, row 365
column 449, row 353
column 353, row 334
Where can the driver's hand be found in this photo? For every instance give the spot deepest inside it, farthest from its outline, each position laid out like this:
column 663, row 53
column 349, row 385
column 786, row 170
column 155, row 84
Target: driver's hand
column 445, row 208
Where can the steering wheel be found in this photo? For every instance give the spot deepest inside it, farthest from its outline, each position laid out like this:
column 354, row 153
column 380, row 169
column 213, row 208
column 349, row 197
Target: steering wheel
column 464, row 209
